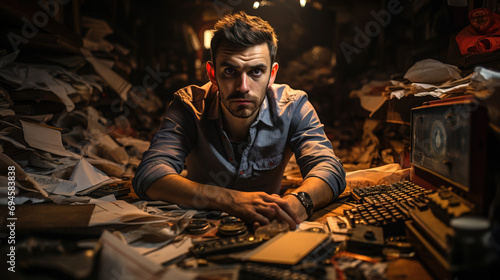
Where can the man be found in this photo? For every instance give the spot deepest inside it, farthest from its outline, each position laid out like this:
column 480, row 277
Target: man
column 236, row 134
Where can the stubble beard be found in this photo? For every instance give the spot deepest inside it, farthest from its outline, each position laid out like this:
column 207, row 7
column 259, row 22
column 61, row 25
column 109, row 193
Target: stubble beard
column 242, row 111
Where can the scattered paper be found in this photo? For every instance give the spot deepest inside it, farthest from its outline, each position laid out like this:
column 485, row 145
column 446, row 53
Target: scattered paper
column 398, row 93
column 119, row 261
column 55, row 185
column 46, row 139
column 21, row 175
column 171, row 251
column 85, row 175
column 107, row 198
column 30, row 77
column 180, row 274
column 4, row 112
column 15, row 143
column 121, row 212
column 120, row 85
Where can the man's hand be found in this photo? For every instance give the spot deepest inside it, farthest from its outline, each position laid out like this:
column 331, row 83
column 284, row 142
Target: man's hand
column 261, row 208
column 297, row 207
column 257, row 208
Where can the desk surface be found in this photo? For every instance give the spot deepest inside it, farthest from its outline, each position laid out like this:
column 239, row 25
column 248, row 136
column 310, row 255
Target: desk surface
column 42, row 223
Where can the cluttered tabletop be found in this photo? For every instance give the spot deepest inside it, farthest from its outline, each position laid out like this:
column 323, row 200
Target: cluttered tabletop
column 106, row 232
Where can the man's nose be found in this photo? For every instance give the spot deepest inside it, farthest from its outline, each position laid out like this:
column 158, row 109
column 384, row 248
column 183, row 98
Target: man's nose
column 243, row 83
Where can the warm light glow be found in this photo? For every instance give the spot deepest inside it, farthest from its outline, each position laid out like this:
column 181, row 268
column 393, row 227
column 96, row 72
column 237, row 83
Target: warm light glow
column 207, row 38
column 303, row 3
column 256, row 4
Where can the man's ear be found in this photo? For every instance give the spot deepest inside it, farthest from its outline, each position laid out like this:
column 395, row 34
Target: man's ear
column 274, row 71
column 211, row 72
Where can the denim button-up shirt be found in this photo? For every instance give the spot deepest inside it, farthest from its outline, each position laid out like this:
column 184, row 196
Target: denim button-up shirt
column 191, row 134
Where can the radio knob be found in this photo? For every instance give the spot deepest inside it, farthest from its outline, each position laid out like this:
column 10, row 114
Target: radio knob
column 453, row 202
column 445, row 194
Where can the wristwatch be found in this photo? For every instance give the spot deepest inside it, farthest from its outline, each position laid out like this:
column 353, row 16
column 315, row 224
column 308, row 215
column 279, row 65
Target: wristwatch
column 306, row 201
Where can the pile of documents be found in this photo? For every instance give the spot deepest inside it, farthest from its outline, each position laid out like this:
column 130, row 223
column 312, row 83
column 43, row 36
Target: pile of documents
column 69, row 125
column 428, row 77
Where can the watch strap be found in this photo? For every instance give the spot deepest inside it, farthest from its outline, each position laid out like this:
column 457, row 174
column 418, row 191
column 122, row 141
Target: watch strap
column 306, row 201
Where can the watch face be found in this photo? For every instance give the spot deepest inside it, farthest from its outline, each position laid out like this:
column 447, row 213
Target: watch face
column 306, row 201
column 306, row 198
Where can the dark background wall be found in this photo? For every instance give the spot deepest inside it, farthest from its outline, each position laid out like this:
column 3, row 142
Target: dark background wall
column 326, row 48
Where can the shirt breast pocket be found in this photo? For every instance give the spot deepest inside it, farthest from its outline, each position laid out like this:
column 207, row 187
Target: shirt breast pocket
column 265, row 164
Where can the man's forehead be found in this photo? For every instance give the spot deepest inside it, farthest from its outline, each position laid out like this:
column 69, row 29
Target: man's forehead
column 228, row 53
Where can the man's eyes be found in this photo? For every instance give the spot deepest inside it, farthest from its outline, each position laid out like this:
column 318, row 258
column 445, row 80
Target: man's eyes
column 232, row 71
column 256, row 72
column 229, row 71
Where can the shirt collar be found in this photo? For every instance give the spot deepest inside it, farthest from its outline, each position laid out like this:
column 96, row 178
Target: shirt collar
column 265, row 112
column 214, row 110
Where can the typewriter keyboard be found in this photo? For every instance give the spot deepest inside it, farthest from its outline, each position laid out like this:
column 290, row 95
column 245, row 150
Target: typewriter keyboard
column 387, row 206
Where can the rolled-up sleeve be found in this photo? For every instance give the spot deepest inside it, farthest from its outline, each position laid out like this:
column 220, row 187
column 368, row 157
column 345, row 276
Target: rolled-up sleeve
column 169, row 148
column 313, row 150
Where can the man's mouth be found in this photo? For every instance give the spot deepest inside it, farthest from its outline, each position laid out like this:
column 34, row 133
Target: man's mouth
column 241, row 101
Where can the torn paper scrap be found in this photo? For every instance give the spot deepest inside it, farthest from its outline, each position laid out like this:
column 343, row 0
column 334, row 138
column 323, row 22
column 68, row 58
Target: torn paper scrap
column 22, row 178
column 55, row 185
column 120, row 85
column 121, row 212
column 85, row 175
column 46, row 139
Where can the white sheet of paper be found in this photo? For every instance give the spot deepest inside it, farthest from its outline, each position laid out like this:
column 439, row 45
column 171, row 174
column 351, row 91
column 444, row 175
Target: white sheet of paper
column 121, row 212
column 45, row 139
column 15, row 143
column 120, row 85
column 21, row 174
column 85, row 175
column 118, row 261
column 55, row 185
column 30, row 77
column 171, row 251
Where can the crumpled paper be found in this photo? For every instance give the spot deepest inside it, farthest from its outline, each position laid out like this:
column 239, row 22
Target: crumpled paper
column 432, row 71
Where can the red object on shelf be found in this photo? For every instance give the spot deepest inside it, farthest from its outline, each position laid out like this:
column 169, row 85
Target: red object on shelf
column 482, row 35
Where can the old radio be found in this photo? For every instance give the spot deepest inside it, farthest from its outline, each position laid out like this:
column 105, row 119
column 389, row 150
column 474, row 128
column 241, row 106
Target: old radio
column 449, row 156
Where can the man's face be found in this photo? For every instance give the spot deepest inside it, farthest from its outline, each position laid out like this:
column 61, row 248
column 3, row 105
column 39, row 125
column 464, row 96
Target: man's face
column 243, row 76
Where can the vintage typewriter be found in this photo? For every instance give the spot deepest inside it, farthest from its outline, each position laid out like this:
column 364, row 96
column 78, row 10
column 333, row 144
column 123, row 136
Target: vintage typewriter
column 449, row 158
column 387, row 206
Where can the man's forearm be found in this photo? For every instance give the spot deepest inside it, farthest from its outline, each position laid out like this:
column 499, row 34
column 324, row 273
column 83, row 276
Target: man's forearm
column 319, row 191
column 179, row 190
column 253, row 207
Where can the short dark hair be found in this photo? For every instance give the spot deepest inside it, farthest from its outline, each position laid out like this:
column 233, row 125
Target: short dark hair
column 240, row 30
